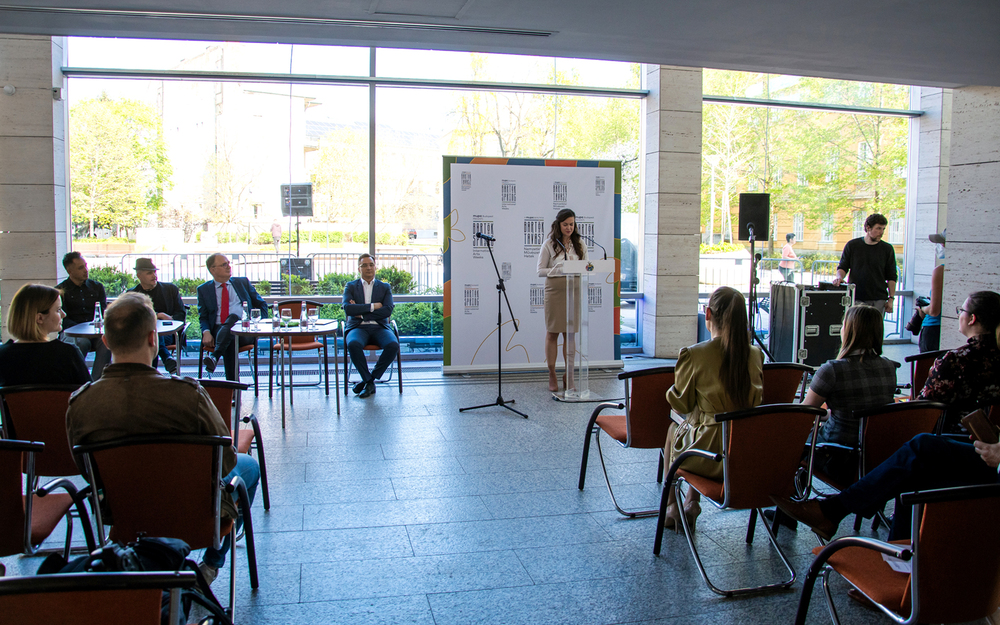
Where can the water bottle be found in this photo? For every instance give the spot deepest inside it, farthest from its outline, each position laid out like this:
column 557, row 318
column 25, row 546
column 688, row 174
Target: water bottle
column 246, row 316
column 303, row 319
column 275, row 317
column 98, row 316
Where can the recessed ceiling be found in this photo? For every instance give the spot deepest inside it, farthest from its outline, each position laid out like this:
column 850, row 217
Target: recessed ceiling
column 921, row 42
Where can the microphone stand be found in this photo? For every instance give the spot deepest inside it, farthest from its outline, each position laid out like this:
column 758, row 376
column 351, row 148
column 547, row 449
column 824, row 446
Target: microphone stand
column 500, row 401
column 591, row 239
column 752, row 306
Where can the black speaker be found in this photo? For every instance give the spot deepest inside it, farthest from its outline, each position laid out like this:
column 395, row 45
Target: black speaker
column 301, row 267
column 296, row 200
column 755, row 209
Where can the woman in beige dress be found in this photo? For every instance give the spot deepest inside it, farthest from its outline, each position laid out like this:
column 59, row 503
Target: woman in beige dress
column 719, row 375
column 563, row 243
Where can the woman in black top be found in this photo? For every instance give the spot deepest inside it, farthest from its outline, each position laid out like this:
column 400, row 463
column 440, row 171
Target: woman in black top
column 31, row 358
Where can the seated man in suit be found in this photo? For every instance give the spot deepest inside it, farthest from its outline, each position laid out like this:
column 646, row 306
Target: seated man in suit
column 133, row 399
column 167, row 303
column 368, row 305
column 220, row 306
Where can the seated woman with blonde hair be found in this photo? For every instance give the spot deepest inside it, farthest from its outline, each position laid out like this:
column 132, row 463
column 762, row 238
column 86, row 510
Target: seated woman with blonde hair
column 719, row 375
column 34, row 315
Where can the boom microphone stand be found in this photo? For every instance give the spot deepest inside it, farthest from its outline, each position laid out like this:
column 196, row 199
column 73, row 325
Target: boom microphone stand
column 752, row 306
column 500, row 401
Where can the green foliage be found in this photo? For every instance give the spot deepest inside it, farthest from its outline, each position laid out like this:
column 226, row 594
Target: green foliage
column 118, row 163
column 188, row 286
column 400, row 281
column 808, row 258
column 361, row 236
column 333, row 283
column 115, row 282
column 104, row 240
column 299, row 286
column 721, row 248
column 419, row 318
column 332, row 311
column 263, row 287
column 388, row 238
column 193, row 331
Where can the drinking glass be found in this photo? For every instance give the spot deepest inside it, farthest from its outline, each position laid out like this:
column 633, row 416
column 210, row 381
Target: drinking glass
column 286, row 316
column 255, row 318
column 313, row 316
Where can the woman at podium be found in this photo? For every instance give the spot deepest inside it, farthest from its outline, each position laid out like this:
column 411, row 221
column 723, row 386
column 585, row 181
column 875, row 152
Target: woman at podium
column 563, row 243
column 719, row 375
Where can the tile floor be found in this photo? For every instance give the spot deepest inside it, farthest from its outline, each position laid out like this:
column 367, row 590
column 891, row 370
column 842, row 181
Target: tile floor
column 403, row 510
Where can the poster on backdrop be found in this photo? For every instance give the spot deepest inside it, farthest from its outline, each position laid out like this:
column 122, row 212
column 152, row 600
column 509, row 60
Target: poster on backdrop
column 515, row 201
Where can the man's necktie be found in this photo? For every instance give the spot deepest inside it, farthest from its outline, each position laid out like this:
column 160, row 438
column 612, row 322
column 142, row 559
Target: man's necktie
column 224, row 308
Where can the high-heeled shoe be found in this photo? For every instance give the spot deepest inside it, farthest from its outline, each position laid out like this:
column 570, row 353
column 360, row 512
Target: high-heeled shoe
column 673, row 520
column 691, row 511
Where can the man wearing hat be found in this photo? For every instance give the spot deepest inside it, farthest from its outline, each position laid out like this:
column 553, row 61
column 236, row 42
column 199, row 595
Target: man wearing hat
column 166, row 302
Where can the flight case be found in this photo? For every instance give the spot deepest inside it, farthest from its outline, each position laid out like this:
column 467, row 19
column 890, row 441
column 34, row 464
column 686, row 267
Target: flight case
column 805, row 322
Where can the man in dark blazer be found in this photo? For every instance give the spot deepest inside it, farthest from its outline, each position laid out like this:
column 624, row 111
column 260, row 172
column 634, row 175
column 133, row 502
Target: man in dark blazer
column 167, row 303
column 368, row 305
column 217, row 320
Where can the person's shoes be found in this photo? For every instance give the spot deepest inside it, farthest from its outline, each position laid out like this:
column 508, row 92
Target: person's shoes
column 209, row 363
column 369, row 389
column 783, row 519
column 691, row 511
column 208, row 572
column 170, row 365
column 673, row 520
column 860, row 598
column 808, row 512
column 360, row 386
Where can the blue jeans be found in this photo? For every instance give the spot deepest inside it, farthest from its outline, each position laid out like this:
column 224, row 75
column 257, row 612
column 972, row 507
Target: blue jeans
column 363, row 335
column 249, row 471
column 925, row 463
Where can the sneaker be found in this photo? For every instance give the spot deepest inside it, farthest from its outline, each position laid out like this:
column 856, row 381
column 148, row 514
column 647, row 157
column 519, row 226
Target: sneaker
column 209, row 364
column 208, row 572
column 170, row 365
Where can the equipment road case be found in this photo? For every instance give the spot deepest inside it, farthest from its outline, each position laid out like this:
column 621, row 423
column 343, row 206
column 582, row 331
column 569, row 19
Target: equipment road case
column 805, row 322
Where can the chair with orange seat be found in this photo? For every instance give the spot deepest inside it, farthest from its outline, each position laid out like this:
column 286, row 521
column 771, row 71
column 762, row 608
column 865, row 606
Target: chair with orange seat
column 169, row 486
column 643, row 425
column 132, row 598
column 954, row 558
column 226, row 395
column 26, row 520
column 376, row 349
column 303, row 342
column 783, row 381
column 245, row 349
column 920, row 366
column 37, row 412
column 757, row 464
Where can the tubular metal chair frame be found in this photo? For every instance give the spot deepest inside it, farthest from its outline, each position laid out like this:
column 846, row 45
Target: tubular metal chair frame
column 9, row 429
column 236, row 484
column 239, row 350
column 920, row 501
column 234, row 426
column 676, row 482
column 373, row 348
column 73, row 583
column 595, row 430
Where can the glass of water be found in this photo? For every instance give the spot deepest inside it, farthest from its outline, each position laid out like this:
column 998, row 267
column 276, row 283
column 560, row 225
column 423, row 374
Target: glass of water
column 254, row 318
column 286, row 316
column 313, row 316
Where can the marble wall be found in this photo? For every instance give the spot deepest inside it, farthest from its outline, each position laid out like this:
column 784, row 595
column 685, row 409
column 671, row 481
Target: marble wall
column 34, row 169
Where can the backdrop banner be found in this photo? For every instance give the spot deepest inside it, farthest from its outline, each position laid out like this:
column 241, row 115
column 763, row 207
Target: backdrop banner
column 515, row 201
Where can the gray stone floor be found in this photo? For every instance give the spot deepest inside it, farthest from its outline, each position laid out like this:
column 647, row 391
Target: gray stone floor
column 403, row 510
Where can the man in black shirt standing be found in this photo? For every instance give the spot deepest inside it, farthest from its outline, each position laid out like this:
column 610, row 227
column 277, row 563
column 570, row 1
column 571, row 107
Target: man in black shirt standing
column 167, row 303
column 80, row 295
column 872, row 266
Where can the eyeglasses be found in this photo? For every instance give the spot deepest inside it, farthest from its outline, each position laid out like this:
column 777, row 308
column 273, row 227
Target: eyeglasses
column 959, row 310
column 222, row 265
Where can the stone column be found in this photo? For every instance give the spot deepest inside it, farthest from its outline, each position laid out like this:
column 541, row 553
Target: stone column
column 34, row 199
column 672, row 209
column 933, row 160
column 973, row 256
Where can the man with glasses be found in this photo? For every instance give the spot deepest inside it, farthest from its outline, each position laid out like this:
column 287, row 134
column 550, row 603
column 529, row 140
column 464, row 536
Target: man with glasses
column 368, row 305
column 167, row 303
column 220, row 307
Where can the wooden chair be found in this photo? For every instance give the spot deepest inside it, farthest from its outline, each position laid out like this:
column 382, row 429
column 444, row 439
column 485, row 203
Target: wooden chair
column 883, row 430
column 756, row 463
column 920, row 366
column 37, row 412
column 783, row 381
column 373, row 349
column 643, row 425
column 26, row 520
column 132, row 598
column 226, row 396
column 955, row 560
column 169, row 486
column 302, row 342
